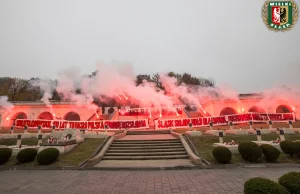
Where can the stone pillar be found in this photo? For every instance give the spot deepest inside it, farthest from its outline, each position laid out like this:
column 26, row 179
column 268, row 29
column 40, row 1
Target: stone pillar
column 270, row 124
column 25, row 129
column 281, row 134
column 250, row 124
column 258, row 135
column 231, row 125
column 191, row 126
column 40, row 138
column 221, row 135
column 19, row 140
column 290, row 124
column 12, row 129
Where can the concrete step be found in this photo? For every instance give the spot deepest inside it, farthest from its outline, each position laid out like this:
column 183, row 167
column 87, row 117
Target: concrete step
column 147, row 154
column 146, row 141
column 144, row 157
column 147, row 132
column 144, row 150
column 144, row 147
column 145, row 144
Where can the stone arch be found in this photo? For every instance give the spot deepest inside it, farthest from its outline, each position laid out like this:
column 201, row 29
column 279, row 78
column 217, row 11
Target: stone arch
column 228, row 111
column 284, row 109
column 19, row 115
column 256, row 109
column 45, row 116
column 72, row 116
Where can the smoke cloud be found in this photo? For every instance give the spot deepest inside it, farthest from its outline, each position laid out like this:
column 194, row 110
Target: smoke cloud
column 117, row 81
column 5, row 105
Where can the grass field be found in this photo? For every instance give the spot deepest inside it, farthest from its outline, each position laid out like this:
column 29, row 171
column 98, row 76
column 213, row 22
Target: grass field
column 243, row 126
column 76, row 156
column 204, row 146
column 80, row 153
column 27, row 141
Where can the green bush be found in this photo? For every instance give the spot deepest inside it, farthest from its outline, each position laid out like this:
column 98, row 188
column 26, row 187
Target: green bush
column 222, row 154
column 270, row 152
column 250, row 151
column 5, row 154
column 289, row 147
column 26, row 155
column 263, row 186
column 47, row 156
column 291, row 181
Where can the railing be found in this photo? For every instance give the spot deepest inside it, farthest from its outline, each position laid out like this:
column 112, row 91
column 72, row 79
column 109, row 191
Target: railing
column 194, row 149
column 83, row 164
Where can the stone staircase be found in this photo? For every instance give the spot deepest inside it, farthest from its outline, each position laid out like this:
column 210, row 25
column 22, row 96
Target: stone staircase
column 147, row 132
column 146, row 150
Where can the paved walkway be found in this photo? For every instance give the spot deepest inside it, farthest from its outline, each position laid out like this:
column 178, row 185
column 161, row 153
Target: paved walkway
column 210, row 181
column 144, row 163
column 148, row 137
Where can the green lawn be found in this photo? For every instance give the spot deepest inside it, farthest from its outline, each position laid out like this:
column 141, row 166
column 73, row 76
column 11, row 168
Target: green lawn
column 204, row 146
column 80, row 153
column 73, row 158
column 27, row 141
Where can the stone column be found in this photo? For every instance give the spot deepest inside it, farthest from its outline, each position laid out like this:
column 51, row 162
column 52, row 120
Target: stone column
column 270, row 124
column 258, row 135
column 281, row 134
column 221, row 135
column 290, row 124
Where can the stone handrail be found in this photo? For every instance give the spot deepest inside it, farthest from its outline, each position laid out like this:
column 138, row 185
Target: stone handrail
column 193, row 157
column 94, row 160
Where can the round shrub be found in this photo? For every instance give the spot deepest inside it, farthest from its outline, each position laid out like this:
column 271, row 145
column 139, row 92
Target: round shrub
column 47, row 156
column 250, row 151
column 291, row 181
column 263, row 186
column 26, row 155
column 289, row 147
column 270, row 152
column 5, row 154
column 222, row 154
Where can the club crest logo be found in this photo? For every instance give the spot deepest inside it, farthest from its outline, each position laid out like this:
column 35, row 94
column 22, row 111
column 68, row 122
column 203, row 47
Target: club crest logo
column 280, row 15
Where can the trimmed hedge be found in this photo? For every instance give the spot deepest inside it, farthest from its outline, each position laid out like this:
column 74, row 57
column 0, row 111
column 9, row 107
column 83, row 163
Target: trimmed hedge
column 47, row 156
column 250, row 151
column 26, row 155
column 222, row 154
column 289, row 147
column 5, row 154
column 263, row 186
column 291, row 181
column 270, row 152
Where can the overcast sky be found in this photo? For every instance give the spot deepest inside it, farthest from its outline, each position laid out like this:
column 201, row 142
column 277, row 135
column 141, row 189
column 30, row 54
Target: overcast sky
column 225, row 40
